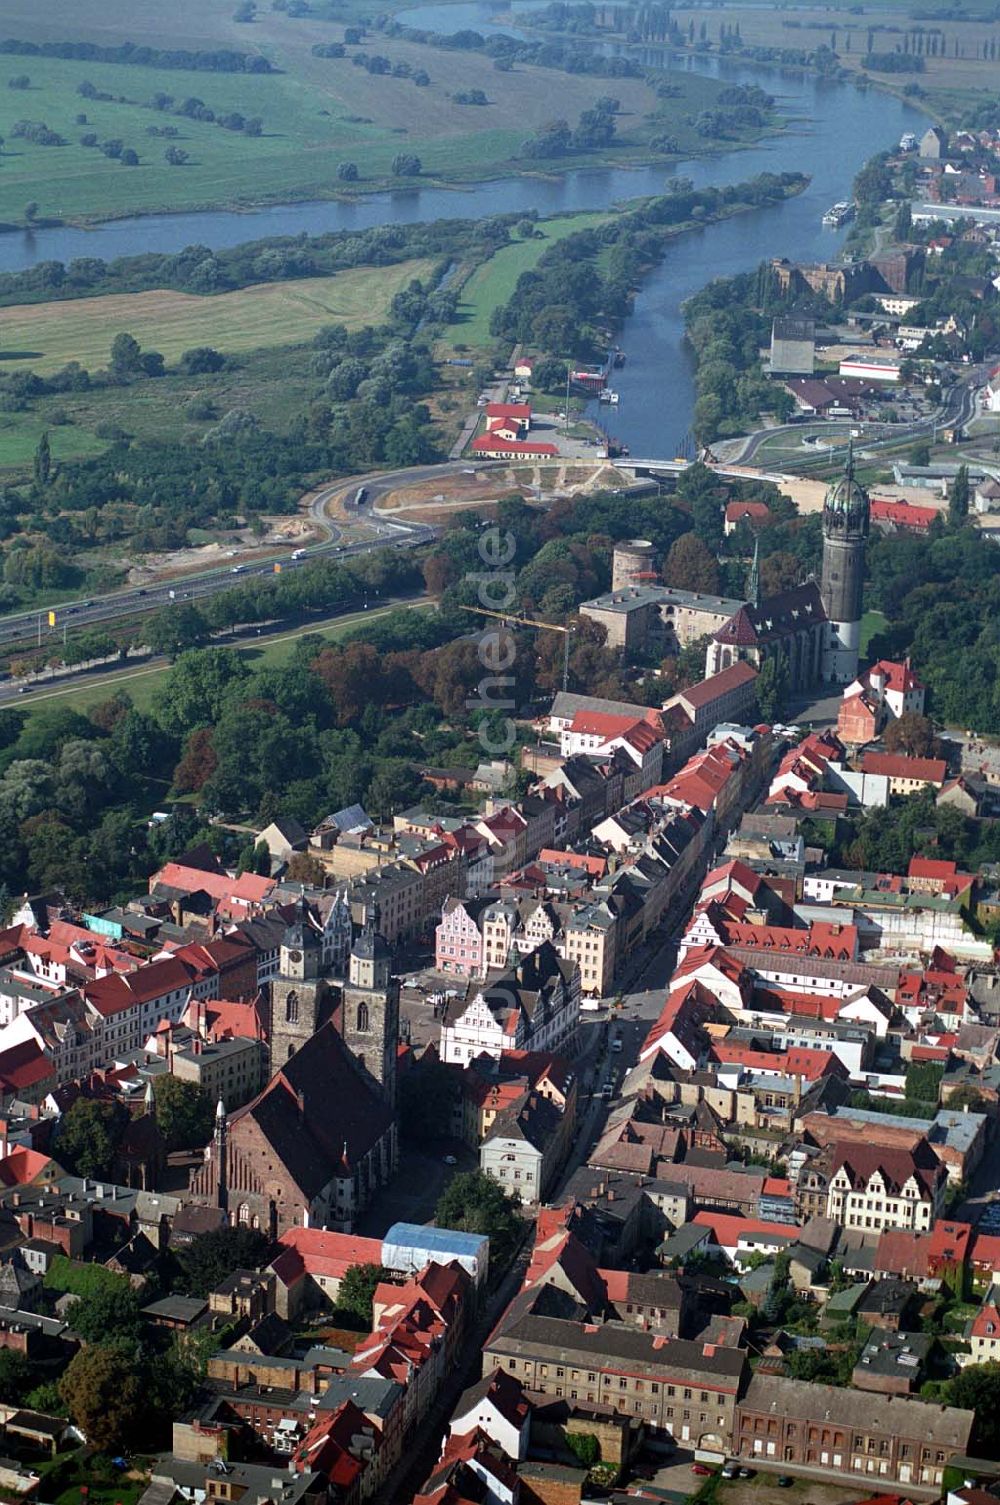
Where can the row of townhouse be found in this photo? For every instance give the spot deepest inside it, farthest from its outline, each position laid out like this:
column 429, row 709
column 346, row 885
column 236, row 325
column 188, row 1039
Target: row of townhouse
column 653, row 850
column 292, row 1401
column 476, row 937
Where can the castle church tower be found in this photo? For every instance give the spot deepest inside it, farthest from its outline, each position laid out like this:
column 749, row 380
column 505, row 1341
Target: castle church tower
column 370, row 1007
column 301, row 1000
column 845, row 533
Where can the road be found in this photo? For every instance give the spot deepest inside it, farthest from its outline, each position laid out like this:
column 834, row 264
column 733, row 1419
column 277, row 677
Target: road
column 23, row 627
column 957, row 409
column 112, row 677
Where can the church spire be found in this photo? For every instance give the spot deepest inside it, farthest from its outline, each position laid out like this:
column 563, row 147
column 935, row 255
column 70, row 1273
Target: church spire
column 753, row 585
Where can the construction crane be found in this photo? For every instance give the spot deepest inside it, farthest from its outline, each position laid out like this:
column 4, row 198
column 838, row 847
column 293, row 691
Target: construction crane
column 514, row 619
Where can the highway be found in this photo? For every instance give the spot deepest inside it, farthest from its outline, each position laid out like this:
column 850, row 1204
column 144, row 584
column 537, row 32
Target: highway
column 22, row 627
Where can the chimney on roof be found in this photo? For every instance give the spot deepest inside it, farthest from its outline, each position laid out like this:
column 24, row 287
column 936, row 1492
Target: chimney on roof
column 300, row 1098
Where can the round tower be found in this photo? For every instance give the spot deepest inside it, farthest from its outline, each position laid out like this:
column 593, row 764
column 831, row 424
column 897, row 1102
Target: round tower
column 845, row 532
column 633, row 563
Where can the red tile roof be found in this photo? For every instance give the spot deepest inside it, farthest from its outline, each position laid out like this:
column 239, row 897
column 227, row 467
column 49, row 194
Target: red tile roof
column 709, row 690
column 328, row 1254
column 508, row 410
column 728, row 1228
column 757, row 511
column 901, row 514
column 249, row 887
column 23, row 1166
column 899, row 766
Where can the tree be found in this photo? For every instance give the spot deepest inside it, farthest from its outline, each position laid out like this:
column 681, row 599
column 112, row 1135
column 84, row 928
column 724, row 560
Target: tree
column 357, row 1290
column 779, row 572
column 584, row 1446
column 406, row 165
column 176, row 156
column 691, row 566
column 920, row 454
column 473, row 1203
column 15, row 1373
column 347, row 172
column 201, row 360
column 88, row 1136
column 302, row 867
column 913, row 734
column 977, row 1388
column 183, row 1112
column 43, row 461
column 109, row 1314
column 198, row 764
column 958, row 497
column 125, row 355
column 105, row 1395
column 31, row 212
column 174, row 629
column 210, row 1257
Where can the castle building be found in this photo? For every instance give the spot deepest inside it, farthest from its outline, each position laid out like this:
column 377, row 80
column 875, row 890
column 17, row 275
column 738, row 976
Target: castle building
column 846, row 520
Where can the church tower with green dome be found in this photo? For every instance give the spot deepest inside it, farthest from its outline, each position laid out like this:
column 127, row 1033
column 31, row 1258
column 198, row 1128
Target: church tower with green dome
column 845, row 532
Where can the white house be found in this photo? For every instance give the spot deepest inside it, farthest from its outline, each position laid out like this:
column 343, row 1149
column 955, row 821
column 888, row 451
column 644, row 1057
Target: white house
column 534, row 1006
column 891, row 684
column 497, row 1406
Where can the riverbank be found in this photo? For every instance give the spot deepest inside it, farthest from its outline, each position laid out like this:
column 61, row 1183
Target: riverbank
column 387, row 113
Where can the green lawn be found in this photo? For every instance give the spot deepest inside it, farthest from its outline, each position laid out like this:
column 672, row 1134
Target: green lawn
column 872, row 623
column 45, row 336
column 493, row 283
column 142, row 683
column 20, row 433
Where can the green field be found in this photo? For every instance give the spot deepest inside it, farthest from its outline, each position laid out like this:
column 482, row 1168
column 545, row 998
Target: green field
column 141, row 684
column 493, row 283
column 872, row 623
column 20, row 433
column 44, row 336
column 315, row 113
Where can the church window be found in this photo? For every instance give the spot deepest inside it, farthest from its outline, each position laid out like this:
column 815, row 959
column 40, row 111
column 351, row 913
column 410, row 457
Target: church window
column 243, row 1214
column 292, row 1008
column 363, row 1020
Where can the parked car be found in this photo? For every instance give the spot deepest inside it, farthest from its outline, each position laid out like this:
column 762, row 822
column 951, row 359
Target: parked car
column 730, row 1471
column 701, row 1470
column 785, row 1481
column 450, row 1160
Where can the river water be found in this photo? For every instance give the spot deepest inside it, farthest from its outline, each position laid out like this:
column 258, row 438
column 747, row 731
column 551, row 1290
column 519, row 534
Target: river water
column 834, row 129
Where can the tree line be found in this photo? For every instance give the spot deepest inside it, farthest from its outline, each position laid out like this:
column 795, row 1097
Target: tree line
column 199, row 269
column 568, row 304
column 219, row 60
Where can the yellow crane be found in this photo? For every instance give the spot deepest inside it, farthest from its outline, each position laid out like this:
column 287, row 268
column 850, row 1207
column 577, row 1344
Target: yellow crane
column 517, row 619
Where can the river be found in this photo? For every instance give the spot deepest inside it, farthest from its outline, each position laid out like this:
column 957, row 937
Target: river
column 834, row 128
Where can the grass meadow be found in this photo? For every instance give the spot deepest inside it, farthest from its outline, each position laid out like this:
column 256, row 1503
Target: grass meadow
column 316, row 112
column 494, row 282
column 44, row 336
